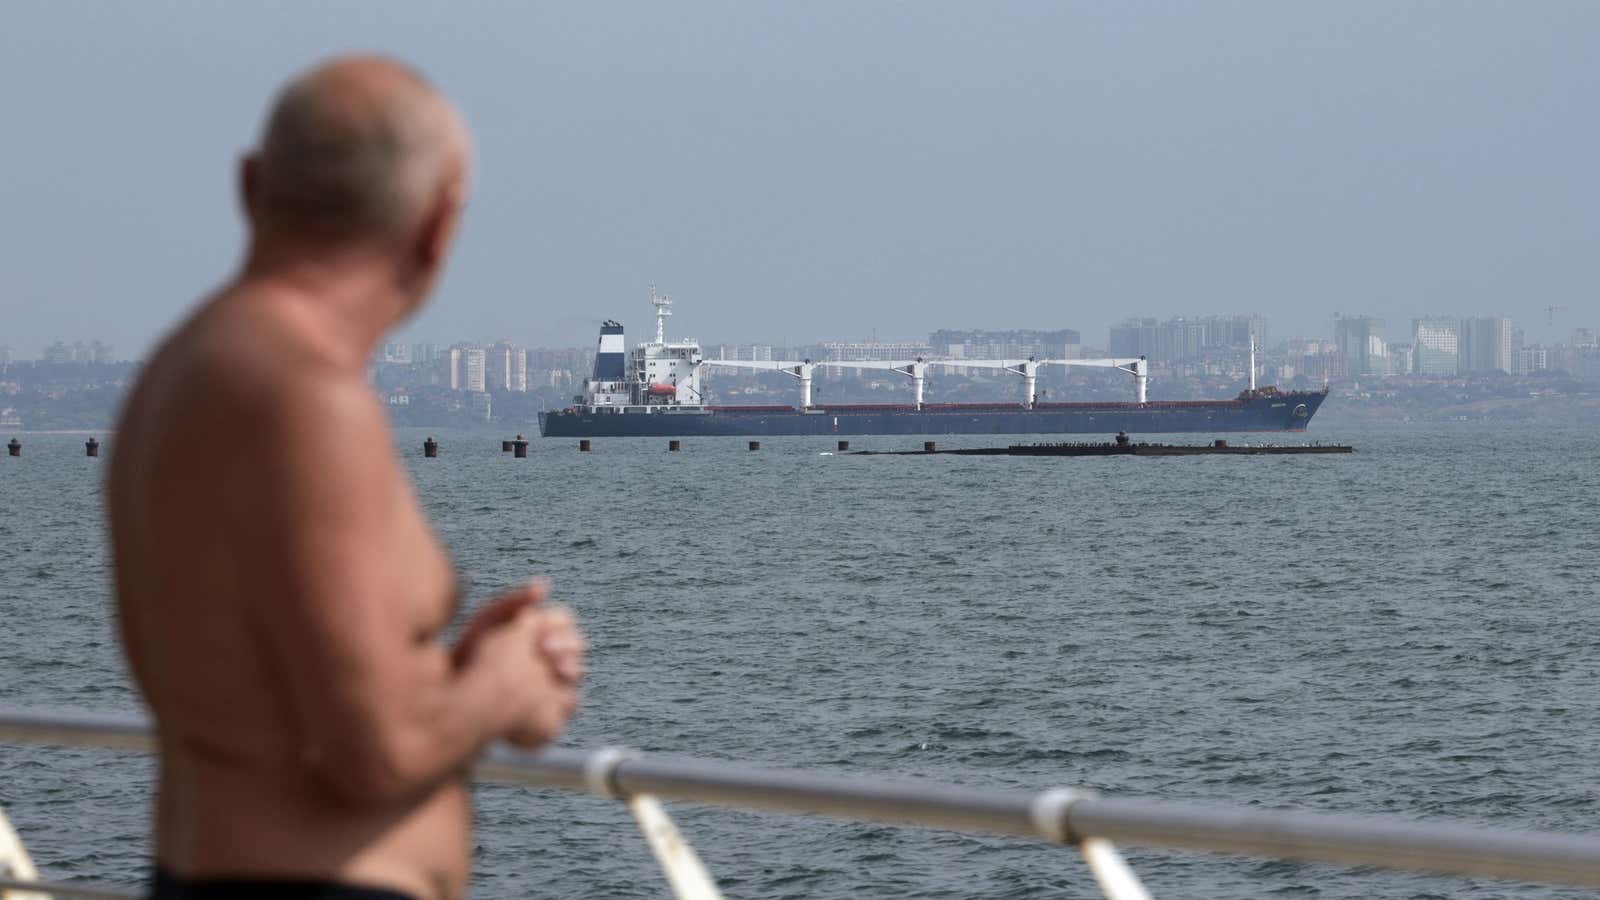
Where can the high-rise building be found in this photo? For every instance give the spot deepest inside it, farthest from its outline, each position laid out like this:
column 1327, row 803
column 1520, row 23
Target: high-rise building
column 1135, row 337
column 1184, row 338
column 1485, row 344
column 1361, row 344
column 1400, row 360
column 474, row 365
column 423, row 354
column 1528, row 360
column 506, row 367
column 1435, row 346
column 448, row 364
column 464, row 367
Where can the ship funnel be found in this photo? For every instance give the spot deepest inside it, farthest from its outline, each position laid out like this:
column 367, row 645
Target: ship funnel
column 609, row 358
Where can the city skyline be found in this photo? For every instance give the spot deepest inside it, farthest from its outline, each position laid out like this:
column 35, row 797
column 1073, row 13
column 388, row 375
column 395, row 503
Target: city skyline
column 1133, row 336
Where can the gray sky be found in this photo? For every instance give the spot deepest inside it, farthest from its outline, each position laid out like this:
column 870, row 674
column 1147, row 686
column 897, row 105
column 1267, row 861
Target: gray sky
column 820, row 170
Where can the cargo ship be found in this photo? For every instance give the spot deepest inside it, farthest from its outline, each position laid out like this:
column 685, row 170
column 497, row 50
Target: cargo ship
column 656, row 391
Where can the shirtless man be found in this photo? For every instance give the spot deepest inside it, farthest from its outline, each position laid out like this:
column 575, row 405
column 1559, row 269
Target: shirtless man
column 280, row 595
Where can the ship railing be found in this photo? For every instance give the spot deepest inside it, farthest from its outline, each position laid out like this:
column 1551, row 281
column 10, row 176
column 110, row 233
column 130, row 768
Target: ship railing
column 1091, row 823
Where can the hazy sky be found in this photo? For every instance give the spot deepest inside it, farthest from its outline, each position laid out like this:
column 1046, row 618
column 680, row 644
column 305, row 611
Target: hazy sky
column 806, row 171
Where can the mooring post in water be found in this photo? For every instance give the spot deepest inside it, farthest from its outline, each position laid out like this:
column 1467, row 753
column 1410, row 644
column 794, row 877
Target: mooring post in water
column 674, row 445
column 584, row 445
column 519, row 447
column 430, row 447
column 91, row 447
column 14, row 448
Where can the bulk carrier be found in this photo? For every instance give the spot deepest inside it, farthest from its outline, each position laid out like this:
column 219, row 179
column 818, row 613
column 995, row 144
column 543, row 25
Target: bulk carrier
column 656, row 391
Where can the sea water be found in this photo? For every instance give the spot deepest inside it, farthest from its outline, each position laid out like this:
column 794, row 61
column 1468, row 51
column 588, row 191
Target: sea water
column 1407, row 631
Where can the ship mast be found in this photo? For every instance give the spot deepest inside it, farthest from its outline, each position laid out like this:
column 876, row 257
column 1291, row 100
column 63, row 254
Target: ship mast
column 663, row 309
column 1252, row 364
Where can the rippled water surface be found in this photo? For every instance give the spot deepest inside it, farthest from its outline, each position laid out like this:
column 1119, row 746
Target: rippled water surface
column 1409, row 630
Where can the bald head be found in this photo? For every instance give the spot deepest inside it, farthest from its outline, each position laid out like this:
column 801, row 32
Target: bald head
column 360, row 147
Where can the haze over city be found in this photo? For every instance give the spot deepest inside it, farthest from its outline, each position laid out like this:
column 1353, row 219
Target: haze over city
column 794, row 174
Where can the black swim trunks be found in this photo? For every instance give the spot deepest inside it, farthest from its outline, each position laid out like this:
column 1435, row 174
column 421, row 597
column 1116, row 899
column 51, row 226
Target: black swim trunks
column 169, row 887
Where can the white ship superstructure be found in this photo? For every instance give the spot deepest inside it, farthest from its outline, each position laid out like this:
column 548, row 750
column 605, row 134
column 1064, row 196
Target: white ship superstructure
column 658, row 373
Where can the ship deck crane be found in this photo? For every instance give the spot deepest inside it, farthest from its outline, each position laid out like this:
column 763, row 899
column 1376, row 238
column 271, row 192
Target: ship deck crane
column 915, row 369
column 1029, row 370
column 801, row 370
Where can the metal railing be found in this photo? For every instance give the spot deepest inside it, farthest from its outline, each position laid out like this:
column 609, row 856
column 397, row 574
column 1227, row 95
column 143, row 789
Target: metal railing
column 1061, row 815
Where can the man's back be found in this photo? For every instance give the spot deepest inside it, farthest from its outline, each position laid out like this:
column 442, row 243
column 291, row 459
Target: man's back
column 280, row 595
column 222, row 413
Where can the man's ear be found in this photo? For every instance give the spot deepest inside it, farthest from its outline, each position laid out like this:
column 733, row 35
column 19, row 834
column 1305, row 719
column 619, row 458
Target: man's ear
column 438, row 228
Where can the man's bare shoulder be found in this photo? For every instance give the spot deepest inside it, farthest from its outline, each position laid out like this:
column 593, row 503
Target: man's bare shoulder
column 253, row 375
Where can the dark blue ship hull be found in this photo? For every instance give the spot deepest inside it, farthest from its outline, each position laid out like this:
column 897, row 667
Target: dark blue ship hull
column 1265, row 411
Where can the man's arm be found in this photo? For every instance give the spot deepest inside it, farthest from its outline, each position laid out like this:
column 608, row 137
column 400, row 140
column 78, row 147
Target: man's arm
column 347, row 600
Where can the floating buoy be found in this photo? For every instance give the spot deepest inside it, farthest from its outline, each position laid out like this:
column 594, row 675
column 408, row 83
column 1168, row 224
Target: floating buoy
column 844, row 445
column 674, row 445
column 755, row 445
column 519, row 447
column 91, row 447
column 14, row 448
column 927, row 446
column 584, row 445
column 430, row 448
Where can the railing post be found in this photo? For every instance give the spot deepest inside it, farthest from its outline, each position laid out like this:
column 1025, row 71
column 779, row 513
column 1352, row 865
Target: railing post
column 1052, row 816
column 1111, row 871
column 15, row 865
column 685, row 873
